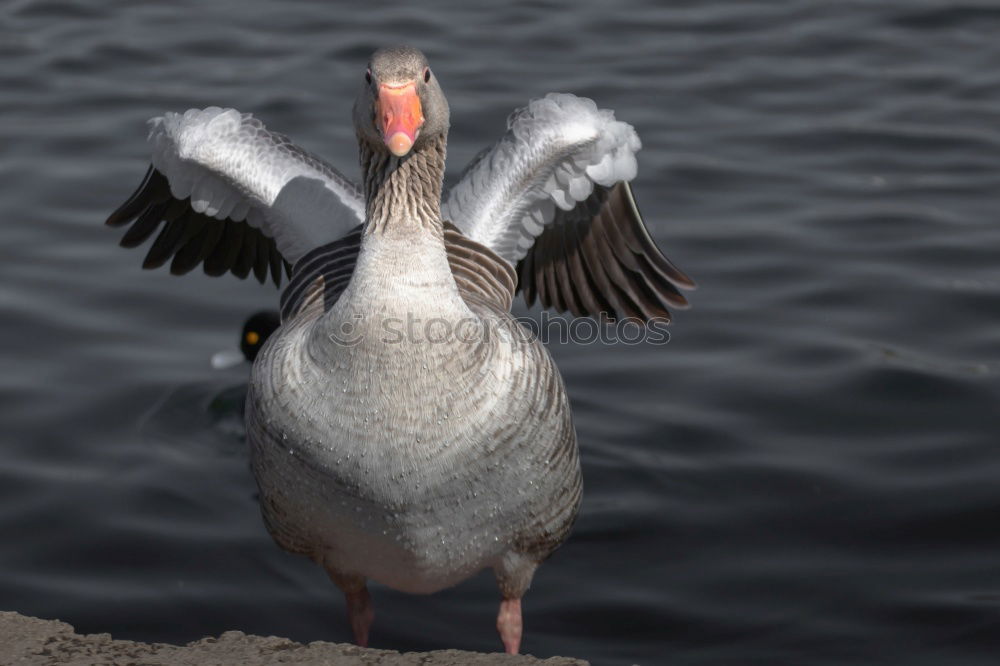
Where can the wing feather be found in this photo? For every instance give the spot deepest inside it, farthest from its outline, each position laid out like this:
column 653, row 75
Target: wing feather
column 187, row 248
column 145, row 225
column 604, row 265
column 234, row 197
column 262, row 262
column 166, row 243
column 248, row 253
column 552, row 197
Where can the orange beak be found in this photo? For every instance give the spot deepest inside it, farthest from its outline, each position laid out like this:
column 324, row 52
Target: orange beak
column 399, row 114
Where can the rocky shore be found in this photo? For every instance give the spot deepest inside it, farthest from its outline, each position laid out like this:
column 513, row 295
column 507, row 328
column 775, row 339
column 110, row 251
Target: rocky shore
column 28, row 641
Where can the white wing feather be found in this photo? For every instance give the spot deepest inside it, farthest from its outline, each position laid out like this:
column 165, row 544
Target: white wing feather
column 553, row 153
column 232, row 167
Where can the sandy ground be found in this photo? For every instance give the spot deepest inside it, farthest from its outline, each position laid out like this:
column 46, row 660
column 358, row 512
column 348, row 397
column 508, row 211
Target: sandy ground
column 28, row 640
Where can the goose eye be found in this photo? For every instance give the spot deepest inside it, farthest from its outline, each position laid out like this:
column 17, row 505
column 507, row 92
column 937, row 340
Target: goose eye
column 427, row 74
column 252, row 337
column 368, row 76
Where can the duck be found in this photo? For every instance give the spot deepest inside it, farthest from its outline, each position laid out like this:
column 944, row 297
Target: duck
column 256, row 330
column 403, row 426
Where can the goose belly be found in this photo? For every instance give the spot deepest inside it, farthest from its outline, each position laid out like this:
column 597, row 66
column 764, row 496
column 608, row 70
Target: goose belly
column 413, row 467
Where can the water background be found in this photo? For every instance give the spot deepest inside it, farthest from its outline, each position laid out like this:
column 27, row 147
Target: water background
column 808, row 472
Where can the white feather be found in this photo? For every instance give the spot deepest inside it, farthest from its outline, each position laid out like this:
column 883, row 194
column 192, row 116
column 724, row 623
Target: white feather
column 562, row 200
column 230, row 165
column 240, row 209
column 580, row 188
column 534, row 223
column 224, row 207
column 555, row 150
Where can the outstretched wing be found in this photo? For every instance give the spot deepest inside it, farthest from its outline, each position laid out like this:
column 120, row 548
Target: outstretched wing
column 552, row 197
column 235, row 197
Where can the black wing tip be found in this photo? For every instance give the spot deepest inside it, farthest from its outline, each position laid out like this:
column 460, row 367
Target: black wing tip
column 189, row 238
column 152, row 189
column 665, row 266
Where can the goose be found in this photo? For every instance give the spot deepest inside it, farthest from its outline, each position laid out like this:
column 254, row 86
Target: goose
column 403, row 427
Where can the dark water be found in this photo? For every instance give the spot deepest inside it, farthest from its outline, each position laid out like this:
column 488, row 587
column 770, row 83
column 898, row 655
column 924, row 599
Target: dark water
column 807, row 473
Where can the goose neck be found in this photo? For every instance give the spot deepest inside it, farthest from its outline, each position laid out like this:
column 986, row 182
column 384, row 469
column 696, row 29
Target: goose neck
column 403, row 194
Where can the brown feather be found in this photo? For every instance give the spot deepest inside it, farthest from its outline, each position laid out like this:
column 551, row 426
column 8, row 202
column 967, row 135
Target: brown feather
column 599, row 258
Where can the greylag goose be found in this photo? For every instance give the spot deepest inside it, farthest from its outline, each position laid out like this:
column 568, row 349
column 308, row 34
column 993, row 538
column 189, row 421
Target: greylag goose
column 403, row 427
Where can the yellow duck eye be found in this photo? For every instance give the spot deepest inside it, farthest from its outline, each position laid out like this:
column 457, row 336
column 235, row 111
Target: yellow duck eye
column 252, row 337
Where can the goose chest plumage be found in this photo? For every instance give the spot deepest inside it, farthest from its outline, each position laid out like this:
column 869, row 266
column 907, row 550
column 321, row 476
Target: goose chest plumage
column 403, row 426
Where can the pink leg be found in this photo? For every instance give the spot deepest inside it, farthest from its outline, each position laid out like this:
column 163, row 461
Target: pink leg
column 514, row 572
column 360, row 614
column 509, row 625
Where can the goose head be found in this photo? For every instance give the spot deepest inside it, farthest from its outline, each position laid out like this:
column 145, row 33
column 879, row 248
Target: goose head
column 400, row 107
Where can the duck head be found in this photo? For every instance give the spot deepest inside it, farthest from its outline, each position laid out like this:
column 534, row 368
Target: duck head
column 256, row 330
